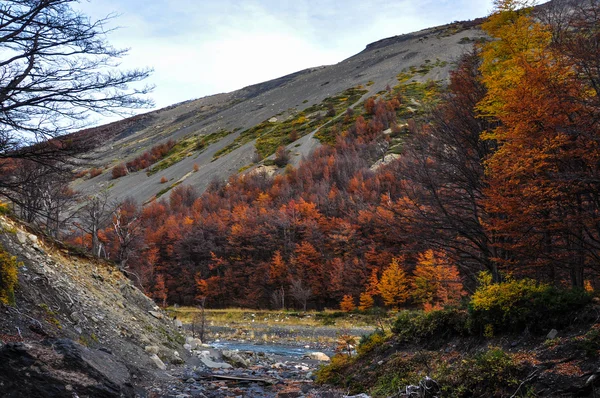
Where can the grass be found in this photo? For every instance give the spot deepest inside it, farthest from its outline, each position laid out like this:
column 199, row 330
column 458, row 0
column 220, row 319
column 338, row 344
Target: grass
column 335, row 319
column 270, row 135
column 187, row 147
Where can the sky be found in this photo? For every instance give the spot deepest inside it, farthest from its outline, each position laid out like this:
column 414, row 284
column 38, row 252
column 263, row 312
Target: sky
column 204, row 47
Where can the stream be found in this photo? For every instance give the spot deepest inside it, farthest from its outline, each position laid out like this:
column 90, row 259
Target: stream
column 283, row 350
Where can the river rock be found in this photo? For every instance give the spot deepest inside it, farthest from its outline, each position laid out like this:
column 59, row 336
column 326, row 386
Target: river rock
column 235, row 358
column 210, row 362
column 158, row 362
column 317, row 356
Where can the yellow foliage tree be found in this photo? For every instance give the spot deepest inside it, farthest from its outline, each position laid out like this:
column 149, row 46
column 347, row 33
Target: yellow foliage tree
column 393, row 285
column 366, row 301
column 372, row 288
column 347, row 303
column 8, row 277
column 436, row 282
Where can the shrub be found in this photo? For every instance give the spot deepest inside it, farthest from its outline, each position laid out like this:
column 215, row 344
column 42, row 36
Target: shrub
column 487, row 374
column 419, row 325
column 518, row 304
column 334, row 372
column 8, row 277
column 590, row 342
column 369, row 342
column 282, row 156
column 95, row 171
column 163, row 180
column 119, row 171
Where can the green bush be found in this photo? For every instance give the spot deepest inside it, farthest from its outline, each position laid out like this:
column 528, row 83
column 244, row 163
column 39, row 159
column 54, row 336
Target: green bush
column 418, row 325
column 515, row 305
column 8, row 277
column 486, row 374
column 370, row 342
column 336, row 371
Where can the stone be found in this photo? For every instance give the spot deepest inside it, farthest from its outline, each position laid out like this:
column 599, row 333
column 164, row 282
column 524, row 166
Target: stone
column 187, row 347
column 209, row 362
column 178, row 323
column 152, row 349
column 158, row 362
column 156, row 314
column 77, row 317
column 235, row 358
column 552, row 334
column 318, row 356
column 21, row 237
column 193, row 342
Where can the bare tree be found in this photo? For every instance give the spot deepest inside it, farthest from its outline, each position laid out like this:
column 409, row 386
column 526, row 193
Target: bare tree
column 199, row 320
column 43, row 197
column 56, row 69
column 278, row 298
column 93, row 216
column 300, row 293
column 127, row 226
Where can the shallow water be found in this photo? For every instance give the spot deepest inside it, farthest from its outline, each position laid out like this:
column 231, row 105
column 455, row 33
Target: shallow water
column 274, row 349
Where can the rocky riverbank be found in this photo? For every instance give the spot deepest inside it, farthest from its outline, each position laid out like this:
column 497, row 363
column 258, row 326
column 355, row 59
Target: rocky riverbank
column 211, row 372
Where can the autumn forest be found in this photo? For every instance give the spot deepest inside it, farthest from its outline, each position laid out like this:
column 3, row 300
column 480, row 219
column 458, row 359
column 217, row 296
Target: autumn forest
column 498, row 172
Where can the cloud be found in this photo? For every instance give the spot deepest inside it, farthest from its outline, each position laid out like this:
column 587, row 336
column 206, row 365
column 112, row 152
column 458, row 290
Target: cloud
column 199, row 48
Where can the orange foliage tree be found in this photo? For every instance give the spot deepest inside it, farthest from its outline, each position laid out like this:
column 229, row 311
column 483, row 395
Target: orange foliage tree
column 393, row 285
column 436, row 282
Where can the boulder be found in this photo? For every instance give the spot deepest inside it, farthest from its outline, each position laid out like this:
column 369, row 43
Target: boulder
column 208, row 361
column 235, row 358
column 156, row 314
column 552, row 334
column 152, row 349
column 317, row 356
column 158, row 362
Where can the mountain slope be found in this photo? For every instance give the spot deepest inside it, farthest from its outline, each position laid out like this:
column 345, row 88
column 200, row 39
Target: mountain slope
column 216, row 135
column 76, row 321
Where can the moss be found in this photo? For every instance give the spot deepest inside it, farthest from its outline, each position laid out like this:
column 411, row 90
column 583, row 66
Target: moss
column 270, row 136
column 8, row 276
column 165, row 190
column 187, row 147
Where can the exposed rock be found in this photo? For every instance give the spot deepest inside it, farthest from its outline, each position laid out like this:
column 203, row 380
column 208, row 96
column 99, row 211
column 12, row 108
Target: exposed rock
column 178, row 324
column 156, row 314
column 193, row 342
column 234, row 358
column 152, row 349
column 206, row 359
column 552, row 334
column 158, row 362
column 318, row 356
column 61, row 368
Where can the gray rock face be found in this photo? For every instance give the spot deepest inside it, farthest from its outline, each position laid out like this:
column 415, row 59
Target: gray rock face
column 61, row 368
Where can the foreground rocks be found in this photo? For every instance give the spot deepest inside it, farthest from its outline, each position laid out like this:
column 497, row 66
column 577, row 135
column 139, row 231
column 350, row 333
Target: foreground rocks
column 232, row 373
column 61, row 368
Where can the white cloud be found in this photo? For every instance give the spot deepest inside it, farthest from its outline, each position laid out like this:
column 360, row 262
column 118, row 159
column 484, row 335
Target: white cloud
column 199, row 48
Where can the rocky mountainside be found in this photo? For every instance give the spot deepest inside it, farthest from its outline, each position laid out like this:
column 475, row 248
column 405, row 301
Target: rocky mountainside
column 78, row 325
column 220, row 135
